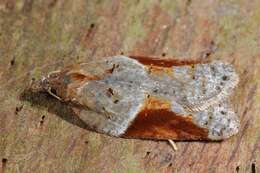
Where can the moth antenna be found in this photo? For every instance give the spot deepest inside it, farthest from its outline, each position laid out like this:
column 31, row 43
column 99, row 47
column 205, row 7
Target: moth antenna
column 172, row 143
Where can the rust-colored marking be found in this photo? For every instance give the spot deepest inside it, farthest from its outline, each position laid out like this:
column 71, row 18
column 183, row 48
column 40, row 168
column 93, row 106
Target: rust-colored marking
column 76, row 80
column 157, row 121
column 83, row 77
column 153, row 102
column 65, row 83
column 162, row 62
column 160, row 70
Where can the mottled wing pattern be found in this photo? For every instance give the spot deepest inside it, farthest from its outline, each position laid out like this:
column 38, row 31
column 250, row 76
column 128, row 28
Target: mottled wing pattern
column 194, row 85
column 116, row 103
column 202, row 85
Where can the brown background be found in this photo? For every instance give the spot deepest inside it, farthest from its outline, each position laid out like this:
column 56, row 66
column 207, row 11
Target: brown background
column 38, row 134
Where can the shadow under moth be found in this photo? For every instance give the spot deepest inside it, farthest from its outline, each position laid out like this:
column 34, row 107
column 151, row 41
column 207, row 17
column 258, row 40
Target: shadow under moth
column 149, row 97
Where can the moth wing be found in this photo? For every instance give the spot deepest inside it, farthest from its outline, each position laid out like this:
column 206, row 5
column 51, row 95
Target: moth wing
column 122, row 97
column 195, row 86
column 135, row 115
column 220, row 120
column 214, row 123
column 109, row 107
column 205, row 84
column 193, row 83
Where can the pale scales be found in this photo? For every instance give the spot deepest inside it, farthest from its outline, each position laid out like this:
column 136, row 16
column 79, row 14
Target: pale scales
column 113, row 92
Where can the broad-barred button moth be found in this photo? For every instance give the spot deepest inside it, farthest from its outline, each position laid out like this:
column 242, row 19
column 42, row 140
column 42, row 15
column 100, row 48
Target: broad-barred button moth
column 149, row 97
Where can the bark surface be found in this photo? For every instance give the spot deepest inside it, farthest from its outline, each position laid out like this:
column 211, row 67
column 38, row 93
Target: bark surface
column 39, row 134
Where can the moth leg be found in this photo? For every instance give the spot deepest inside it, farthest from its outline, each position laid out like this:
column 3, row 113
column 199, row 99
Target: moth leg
column 52, row 94
column 172, row 143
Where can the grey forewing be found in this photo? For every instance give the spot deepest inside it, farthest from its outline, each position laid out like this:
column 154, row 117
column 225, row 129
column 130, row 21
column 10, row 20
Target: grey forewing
column 119, row 97
column 116, row 103
column 196, row 86
column 192, row 86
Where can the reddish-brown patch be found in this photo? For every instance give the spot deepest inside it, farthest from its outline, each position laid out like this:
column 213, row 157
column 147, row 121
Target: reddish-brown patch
column 162, row 62
column 160, row 70
column 65, row 83
column 157, row 121
column 153, row 102
column 76, row 80
column 83, row 77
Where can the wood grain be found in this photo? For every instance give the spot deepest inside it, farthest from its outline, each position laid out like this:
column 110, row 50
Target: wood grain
column 40, row 134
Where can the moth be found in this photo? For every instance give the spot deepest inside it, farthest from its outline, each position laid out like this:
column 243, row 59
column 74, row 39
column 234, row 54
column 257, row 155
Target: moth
column 149, row 97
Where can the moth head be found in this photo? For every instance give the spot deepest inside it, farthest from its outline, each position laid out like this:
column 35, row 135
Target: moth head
column 55, row 83
column 64, row 84
column 49, row 83
column 40, row 85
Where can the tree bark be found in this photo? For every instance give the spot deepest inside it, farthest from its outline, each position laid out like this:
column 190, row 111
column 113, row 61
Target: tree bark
column 39, row 134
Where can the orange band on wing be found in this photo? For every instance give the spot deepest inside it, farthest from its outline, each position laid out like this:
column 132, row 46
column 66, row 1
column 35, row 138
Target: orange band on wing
column 157, row 121
column 158, row 61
